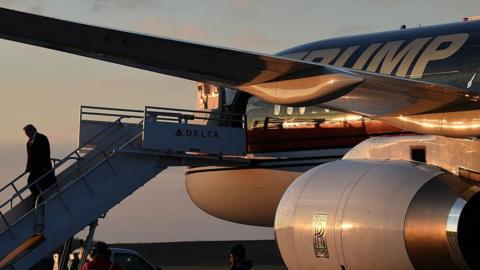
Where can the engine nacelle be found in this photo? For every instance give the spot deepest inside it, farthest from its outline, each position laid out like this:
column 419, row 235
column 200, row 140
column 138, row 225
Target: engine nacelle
column 247, row 196
column 364, row 214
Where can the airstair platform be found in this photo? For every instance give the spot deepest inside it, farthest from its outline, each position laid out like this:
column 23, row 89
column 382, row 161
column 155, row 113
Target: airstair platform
column 119, row 151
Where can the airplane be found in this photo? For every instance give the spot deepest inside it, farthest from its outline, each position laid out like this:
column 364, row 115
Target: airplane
column 403, row 201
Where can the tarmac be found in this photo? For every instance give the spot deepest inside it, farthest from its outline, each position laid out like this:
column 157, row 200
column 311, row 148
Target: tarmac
column 211, row 255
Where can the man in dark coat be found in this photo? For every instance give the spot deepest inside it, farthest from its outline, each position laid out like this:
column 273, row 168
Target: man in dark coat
column 38, row 162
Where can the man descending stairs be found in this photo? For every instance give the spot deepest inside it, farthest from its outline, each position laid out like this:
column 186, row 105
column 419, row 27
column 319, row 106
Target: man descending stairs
column 115, row 158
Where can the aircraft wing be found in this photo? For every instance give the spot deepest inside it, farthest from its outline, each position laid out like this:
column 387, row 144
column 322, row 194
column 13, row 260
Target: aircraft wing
column 272, row 78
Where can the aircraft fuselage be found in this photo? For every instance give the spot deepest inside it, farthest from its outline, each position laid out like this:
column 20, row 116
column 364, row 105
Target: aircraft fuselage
column 446, row 54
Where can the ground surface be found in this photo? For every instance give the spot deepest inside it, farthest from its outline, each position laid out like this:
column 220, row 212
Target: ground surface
column 207, row 255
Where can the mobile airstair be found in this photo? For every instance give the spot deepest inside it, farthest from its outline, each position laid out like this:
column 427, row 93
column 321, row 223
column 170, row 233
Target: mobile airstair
column 120, row 150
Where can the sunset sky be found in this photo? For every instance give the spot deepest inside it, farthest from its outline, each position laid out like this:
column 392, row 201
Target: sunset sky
column 46, row 88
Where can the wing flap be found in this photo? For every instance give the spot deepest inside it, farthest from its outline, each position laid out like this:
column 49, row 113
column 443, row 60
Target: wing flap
column 383, row 95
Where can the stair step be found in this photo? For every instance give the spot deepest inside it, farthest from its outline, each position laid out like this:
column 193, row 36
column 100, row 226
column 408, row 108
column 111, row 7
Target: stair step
column 21, row 249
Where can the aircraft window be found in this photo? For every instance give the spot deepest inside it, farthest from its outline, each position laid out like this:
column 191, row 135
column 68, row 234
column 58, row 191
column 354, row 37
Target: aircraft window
column 229, row 96
column 276, row 109
column 132, row 262
column 269, row 116
column 289, row 110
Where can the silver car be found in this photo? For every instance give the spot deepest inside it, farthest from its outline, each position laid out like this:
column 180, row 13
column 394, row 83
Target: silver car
column 129, row 259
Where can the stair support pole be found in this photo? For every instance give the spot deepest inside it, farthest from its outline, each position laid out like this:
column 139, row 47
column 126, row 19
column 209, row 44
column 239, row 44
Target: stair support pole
column 88, row 242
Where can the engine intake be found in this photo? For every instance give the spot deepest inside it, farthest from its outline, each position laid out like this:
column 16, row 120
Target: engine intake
column 364, row 214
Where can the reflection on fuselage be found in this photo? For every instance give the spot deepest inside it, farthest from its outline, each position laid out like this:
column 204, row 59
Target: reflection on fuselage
column 273, row 128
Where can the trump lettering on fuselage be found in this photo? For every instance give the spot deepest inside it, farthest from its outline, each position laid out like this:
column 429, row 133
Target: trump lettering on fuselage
column 403, row 58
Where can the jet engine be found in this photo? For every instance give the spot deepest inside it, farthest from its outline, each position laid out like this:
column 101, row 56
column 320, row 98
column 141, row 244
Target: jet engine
column 366, row 215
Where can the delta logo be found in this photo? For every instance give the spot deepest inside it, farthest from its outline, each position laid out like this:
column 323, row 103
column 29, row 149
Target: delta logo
column 210, row 134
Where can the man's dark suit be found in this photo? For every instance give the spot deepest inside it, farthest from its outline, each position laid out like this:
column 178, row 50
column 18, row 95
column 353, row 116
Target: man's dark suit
column 38, row 163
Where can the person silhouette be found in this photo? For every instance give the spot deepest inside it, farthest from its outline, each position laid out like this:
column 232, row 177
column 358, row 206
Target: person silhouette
column 100, row 259
column 237, row 258
column 38, row 161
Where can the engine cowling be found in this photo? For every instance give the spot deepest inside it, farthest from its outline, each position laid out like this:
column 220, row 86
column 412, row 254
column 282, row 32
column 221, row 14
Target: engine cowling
column 364, row 214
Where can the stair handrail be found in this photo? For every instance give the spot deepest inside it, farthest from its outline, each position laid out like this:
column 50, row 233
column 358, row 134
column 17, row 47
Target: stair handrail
column 39, row 225
column 135, row 137
column 60, row 163
column 59, row 190
column 11, row 182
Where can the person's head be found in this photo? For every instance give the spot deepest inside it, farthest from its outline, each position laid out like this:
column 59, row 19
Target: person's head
column 29, row 130
column 100, row 251
column 237, row 254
